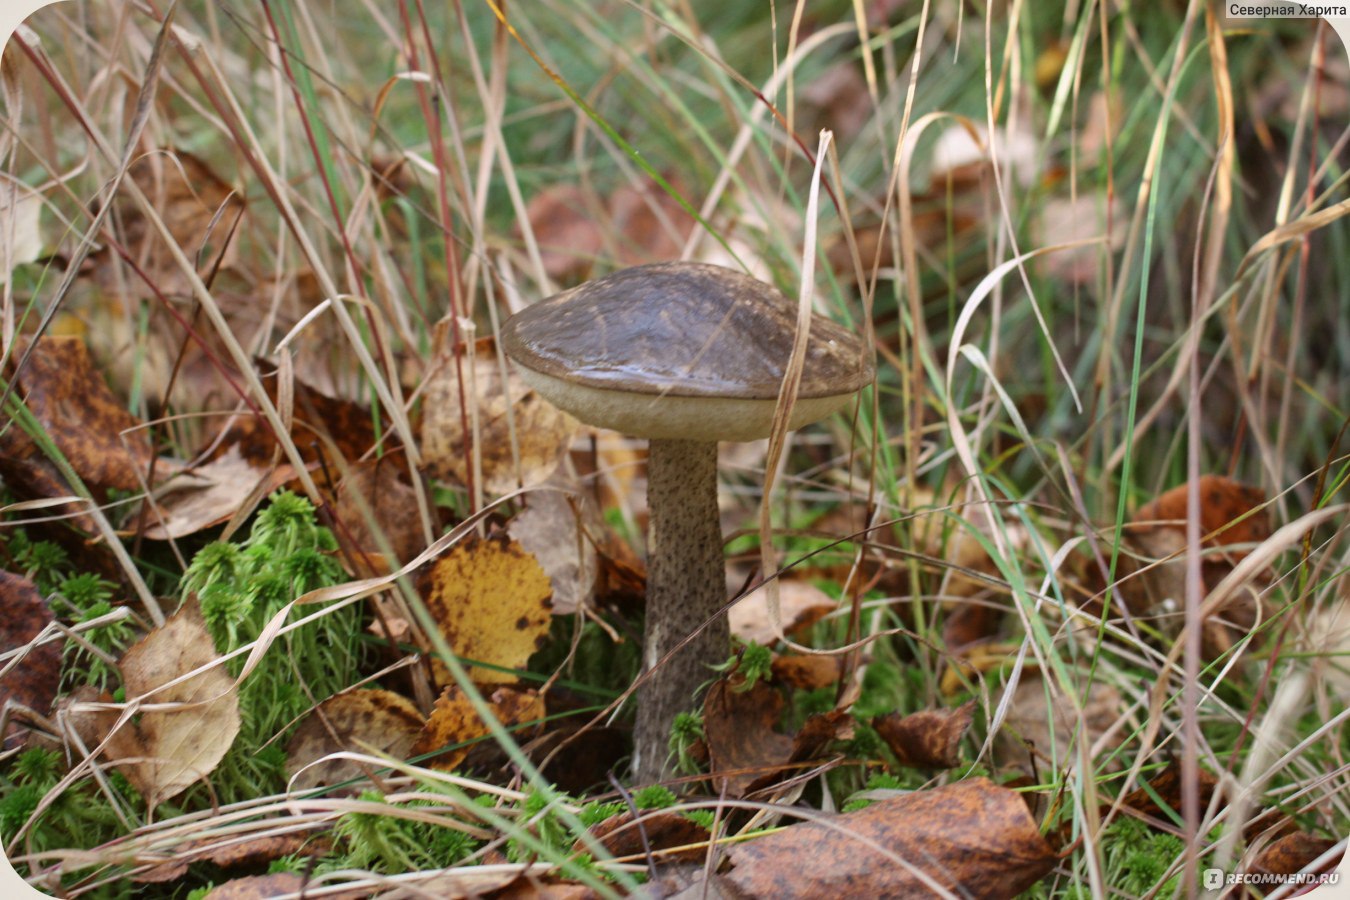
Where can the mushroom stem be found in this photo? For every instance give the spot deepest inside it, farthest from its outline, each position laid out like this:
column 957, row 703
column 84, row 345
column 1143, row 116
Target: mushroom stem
column 686, row 586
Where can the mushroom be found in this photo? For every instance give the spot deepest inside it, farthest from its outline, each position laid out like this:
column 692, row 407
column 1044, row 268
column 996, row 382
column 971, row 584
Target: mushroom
column 685, row 355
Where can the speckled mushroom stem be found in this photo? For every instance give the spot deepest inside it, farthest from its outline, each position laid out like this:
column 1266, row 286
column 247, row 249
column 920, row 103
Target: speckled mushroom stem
column 686, row 585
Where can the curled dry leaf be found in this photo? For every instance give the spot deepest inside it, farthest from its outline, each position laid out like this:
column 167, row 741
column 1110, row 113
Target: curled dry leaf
column 973, row 839
column 490, row 600
column 258, row 887
column 551, row 528
column 211, row 493
column 85, row 421
column 455, row 721
column 372, row 721
column 167, row 750
column 377, row 507
column 34, row 680
column 800, row 605
column 542, row 432
column 929, row 739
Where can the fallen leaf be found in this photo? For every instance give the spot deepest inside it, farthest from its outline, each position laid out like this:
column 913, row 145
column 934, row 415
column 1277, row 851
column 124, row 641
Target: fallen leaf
column 211, row 494
column 543, row 887
column 1161, row 800
column 740, row 730
column 567, row 230
column 1040, row 725
column 95, row 433
column 542, row 432
column 550, row 528
column 34, row 679
column 622, row 835
column 491, row 601
column 375, row 499
column 929, row 739
column 188, row 196
column 1294, row 853
column 21, row 232
column 361, row 721
column 807, row 673
column 231, row 853
column 649, row 225
column 322, row 428
column 965, row 159
column 801, row 604
column 258, row 887
column 167, row 750
column 973, row 839
column 455, row 721
column 1151, row 576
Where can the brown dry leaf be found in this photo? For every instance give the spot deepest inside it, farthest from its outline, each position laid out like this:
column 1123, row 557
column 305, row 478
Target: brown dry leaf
column 929, row 739
column 969, row 622
column 1293, row 853
column 377, row 487
column 1166, row 787
column 739, row 727
column 491, row 601
column 258, row 887
column 361, row 721
column 211, row 493
column 321, row 427
column 187, row 195
column 529, row 887
column 1030, row 718
column 35, row 679
column 89, row 426
column 649, row 224
column 973, row 838
column 1157, row 531
column 550, row 529
column 169, row 750
column 542, row 431
column 807, row 673
column 801, row 604
column 583, row 759
column 622, row 835
column 567, row 231
column 233, row 854
column 455, row 721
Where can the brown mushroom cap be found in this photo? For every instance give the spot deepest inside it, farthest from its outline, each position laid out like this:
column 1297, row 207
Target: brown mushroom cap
column 681, row 350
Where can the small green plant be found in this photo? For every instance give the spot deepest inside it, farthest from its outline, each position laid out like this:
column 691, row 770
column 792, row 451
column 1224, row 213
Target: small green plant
column 686, row 732
column 89, row 597
column 241, row 587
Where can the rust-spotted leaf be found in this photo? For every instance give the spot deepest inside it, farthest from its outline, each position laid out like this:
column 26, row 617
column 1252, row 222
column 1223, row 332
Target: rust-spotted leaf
column 454, row 721
column 167, row 750
column 371, row 721
column 492, row 603
column 971, row 839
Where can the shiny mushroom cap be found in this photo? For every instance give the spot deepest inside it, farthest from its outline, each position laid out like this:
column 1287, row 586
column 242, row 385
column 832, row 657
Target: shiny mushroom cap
column 681, row 350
